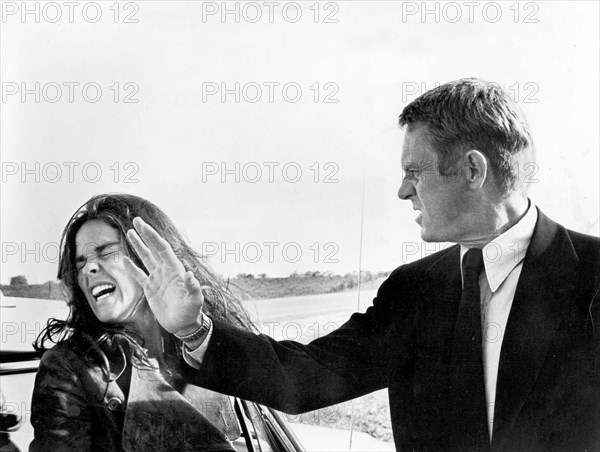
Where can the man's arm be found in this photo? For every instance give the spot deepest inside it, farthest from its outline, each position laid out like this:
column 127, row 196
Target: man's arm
column 347, row 363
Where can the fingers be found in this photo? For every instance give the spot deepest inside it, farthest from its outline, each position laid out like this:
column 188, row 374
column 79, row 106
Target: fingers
column 141, row 249
column 150, row 236
column 154, row 248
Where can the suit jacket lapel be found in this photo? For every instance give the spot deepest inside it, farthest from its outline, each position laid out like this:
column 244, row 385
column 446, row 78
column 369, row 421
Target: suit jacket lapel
column 442, row 292
column 538, row 307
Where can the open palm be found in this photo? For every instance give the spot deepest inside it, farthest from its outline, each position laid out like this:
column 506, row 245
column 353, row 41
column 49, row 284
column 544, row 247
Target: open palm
column 174, row 295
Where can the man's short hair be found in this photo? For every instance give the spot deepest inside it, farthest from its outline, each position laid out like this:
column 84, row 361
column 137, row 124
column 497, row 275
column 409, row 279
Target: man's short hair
column 470, row 114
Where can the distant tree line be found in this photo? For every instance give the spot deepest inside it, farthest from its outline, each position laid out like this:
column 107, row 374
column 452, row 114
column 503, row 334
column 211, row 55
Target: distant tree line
column 20, row 280
column 364, row 275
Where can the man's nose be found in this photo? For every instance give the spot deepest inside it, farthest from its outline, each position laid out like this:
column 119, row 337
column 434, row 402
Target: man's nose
column 406, row 190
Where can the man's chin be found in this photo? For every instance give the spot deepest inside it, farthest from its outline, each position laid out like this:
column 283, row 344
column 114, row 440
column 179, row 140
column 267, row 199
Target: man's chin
column 425, row 236
column 429, row 236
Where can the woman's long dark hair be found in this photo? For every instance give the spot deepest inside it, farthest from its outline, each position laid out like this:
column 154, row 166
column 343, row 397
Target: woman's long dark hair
column 82, row 328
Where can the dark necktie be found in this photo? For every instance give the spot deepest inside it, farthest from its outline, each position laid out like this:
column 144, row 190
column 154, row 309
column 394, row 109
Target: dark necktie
column 468, row 415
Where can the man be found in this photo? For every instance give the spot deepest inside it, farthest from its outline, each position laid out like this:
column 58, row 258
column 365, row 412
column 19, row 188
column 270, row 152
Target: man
column 499, row 353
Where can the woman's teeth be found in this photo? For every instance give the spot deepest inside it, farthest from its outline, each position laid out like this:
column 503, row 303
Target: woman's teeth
column 102, row 291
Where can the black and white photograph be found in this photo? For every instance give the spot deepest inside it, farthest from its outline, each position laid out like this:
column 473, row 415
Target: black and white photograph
column 300, row 226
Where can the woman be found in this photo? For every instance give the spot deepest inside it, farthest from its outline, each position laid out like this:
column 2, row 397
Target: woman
column 111, row 381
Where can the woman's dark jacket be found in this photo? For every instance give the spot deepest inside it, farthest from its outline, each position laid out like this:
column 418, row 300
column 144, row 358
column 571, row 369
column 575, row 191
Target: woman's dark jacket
column 75, row 407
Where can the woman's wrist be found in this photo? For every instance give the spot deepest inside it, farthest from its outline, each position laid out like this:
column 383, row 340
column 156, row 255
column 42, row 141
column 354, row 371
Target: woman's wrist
column 190, row 329
column 194, row 337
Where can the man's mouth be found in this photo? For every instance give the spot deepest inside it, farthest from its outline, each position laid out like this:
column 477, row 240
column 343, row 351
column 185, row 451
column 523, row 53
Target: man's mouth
column 102, row 291
column 420, row 216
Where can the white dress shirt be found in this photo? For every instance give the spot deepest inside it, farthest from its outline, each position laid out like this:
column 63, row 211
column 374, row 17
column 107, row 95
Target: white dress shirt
column 503, row 262
column 194, row 357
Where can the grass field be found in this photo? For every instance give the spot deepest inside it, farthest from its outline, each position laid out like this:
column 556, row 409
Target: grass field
column 260, row 288
column 371, row 415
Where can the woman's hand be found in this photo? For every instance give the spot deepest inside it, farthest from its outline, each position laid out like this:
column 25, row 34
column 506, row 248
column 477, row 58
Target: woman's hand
column 175, row 297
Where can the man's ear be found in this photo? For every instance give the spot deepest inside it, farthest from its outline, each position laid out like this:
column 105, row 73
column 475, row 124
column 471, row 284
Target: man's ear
column 476, row 168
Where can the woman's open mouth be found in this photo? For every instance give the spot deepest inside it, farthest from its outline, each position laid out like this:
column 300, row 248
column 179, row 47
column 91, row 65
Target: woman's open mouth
column 102, row 291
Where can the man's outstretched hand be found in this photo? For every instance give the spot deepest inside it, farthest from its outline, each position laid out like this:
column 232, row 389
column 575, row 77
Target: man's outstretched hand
column 174, row 295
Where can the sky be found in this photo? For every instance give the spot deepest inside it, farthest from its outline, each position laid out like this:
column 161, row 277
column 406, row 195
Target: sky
column 268, row 130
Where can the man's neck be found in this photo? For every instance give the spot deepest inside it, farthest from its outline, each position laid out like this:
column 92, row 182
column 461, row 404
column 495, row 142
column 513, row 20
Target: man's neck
column 499, row 219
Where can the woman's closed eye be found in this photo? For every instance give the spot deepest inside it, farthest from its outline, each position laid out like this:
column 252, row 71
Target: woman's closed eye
column 114, row 253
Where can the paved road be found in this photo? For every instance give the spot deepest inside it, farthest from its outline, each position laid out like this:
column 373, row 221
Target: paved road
column 22, row 319
column 307, row 317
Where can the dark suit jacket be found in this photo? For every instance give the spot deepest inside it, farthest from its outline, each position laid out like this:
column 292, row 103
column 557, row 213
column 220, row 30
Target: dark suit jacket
column 548, row 389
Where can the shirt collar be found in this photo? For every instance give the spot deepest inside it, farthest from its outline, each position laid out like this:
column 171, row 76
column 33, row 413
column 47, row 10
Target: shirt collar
column 506, row 251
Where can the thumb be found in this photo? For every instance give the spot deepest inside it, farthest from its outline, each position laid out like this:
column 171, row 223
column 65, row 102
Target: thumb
column 192, row 285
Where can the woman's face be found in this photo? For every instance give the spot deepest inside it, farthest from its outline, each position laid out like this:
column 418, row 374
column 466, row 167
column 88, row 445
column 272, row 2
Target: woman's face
column 111, row 292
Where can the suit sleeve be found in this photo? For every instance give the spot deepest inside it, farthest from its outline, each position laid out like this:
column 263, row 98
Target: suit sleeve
column 59, row 413
column 291, row 377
